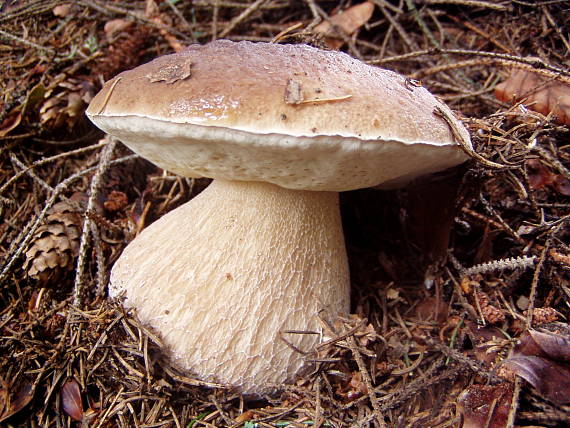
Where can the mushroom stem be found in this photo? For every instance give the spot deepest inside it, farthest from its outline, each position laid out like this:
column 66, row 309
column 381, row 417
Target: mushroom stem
column 223, row 277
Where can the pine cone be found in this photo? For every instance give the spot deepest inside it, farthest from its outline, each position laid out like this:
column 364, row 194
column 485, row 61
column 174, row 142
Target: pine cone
column 492, row 314
column 544, row 315
column 55, row 244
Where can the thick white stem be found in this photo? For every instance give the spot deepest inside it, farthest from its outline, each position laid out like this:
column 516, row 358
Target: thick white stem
column 223, row 276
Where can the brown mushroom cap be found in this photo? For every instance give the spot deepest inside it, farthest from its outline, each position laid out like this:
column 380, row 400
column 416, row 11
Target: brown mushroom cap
column 292, row 115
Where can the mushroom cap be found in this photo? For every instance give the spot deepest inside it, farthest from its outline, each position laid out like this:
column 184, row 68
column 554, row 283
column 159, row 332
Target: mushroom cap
column 291, row 115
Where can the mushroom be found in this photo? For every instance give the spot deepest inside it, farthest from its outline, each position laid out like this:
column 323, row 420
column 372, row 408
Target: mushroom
column 226, row 278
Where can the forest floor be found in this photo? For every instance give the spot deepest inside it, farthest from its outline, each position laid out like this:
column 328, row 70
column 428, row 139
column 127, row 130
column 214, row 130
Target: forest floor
column 460, row 282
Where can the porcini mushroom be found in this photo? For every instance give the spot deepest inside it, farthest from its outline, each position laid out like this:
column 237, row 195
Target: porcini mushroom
column 281, row 129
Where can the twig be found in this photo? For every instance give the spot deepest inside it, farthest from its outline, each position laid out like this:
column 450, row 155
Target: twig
column 366, row 379
column 26, row 42
column 489, row 62
column 100, row 260
column 242, row 16
column 521, row 262
column 26, row 235
column 110, row 9
column 399, row 29
column 473, row 365
column 29, row 172
column 550, row 159
column 533, row 61
column 480, row 32
column 534, row 284
column 215, row 13
column 560, row 33
column 463, row 143
column 47, row 160
column 421, row 23
column 88, row 224
column 227, row 420
column 280, row 414
column 491, row 211
column 471, row 3
column 514, row 404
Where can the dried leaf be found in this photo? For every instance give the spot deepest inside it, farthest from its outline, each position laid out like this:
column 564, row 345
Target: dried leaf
column 9, row 123
column 64, row 105
column 71, row 400
column 539, row 175
column 245, row 416
column 115, row 26
column 485, row 405
column 433, row 309
column 357, row 386
column 484, row 340
column 538, row 93
column 562, row 185
column 293, row 92
column 348, row 20
column 16, row 400
column 172, row 73
column 152, row 12
column 366, row 335
column 62, row 10
column 542, row 360
column 549, row 377
column 554, row 346
column 3, row 396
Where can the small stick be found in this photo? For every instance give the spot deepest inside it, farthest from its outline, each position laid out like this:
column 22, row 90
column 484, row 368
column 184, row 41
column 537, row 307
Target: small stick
column 534, row 62
column 47, row 160
column 534, row 284
column 88, row 222
column 237, row 20
column 470, row 3
column 367, row 381
column 27, row 233
column 463, row 142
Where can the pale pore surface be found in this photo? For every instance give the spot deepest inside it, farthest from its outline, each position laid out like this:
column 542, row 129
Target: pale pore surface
column 306, row 163
column 222, row 275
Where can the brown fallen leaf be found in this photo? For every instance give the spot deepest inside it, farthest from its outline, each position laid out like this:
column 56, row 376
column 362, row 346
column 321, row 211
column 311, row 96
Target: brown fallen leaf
column 15, row 117
column 562, row 185
column 485, row 405
column 542, row 359
column 485, row 340
column 10, row 122
column 248, row 415
column 539, row 176
column 71, row 400
column 62, row 10
column 538, row 93
column 14, row 398
column 348, row 20
column 550, row 345
column 3, row 396
column 433, row 308
column 550, row 378
column 115, row 26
